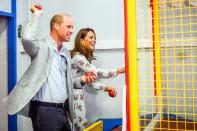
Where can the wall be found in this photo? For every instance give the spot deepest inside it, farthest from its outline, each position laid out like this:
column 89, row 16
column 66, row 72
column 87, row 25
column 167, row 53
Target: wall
column 5, row 6
column 24, row 123
column 106, row 17
column 99, row 104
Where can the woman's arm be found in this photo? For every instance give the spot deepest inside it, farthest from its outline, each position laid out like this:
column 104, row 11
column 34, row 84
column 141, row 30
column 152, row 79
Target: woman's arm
column 84, row 65
column 101, row 87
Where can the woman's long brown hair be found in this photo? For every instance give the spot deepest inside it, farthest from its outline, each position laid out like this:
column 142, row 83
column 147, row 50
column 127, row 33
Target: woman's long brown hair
column 78, row 48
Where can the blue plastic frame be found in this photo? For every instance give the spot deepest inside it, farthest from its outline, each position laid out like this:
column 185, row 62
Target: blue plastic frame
column 108, row 123
column 12, row 74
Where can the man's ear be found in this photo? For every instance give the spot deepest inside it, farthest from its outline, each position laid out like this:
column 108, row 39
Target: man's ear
column 56, row 26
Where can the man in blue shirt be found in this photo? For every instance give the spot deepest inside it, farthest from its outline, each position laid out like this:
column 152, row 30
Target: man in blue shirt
column 47, row 85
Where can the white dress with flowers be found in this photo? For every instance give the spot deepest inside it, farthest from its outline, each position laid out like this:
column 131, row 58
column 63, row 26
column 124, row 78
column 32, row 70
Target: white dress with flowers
column 80, row 65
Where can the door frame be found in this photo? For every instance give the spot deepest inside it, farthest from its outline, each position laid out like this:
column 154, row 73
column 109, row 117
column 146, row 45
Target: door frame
column 12, row 73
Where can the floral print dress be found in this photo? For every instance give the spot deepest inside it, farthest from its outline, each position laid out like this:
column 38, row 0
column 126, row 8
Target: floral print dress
column 80, row 65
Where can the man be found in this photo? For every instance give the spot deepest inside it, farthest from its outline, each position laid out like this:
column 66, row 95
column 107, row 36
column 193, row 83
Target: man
column 47, row 84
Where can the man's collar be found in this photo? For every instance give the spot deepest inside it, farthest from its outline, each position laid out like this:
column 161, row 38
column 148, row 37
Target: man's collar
column 54, row 45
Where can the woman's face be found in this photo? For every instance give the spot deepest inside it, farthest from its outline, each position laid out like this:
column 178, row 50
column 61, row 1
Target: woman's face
column 89, row 41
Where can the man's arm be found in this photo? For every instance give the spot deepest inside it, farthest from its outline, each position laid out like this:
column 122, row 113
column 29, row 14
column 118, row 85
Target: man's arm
column 29, row 42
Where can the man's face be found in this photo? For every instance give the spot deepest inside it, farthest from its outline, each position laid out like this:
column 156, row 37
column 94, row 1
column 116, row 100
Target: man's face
column 65, row 30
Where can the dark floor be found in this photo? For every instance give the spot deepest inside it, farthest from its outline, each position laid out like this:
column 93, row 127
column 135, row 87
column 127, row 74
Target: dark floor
column 170, row 124
column 144, row 123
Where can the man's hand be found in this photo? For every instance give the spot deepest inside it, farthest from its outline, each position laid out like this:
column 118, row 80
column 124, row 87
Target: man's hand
column 36, row 9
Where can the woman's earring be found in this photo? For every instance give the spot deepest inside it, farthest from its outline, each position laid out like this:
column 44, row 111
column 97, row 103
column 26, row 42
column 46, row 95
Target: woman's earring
column 82, row 43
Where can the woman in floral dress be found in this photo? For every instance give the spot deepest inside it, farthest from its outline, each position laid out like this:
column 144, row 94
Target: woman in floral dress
column 82, row 56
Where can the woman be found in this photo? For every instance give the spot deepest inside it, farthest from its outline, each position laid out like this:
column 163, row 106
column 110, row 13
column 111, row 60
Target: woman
column 82, row 56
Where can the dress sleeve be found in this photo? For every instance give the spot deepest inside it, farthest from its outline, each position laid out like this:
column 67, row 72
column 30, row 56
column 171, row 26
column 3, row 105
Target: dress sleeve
column 98, row 86
column 86, row 66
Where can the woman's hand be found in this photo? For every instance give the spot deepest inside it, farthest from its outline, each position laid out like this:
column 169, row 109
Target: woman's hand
column 111, row 91
column 88, row 79
column 120, row 70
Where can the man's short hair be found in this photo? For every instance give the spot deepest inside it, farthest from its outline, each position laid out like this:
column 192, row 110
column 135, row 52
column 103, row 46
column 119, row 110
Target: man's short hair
column 58, row 18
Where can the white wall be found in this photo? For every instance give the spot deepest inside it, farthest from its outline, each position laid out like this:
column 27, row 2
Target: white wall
column 24, row 123
column 106, row 17
column 99, row 104
column 5, row 6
